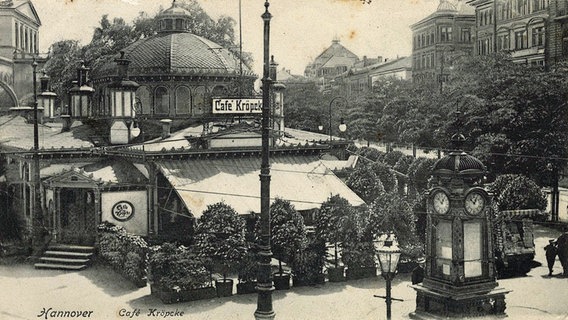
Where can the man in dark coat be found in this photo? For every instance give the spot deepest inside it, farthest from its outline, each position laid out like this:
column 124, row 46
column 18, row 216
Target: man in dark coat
column 551, row 252
column 562, row 245
column 418, row 272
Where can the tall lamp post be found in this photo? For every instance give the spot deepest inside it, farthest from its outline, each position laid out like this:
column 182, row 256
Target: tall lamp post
column 389, row 254
column 264, row 287
column 37, row 220
column 342, row 125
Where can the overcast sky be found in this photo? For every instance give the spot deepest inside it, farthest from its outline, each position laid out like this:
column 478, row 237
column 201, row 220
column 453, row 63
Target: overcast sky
column 300, row 29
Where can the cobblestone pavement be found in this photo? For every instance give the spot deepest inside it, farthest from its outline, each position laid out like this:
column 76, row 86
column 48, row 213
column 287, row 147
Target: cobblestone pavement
column 25, row 292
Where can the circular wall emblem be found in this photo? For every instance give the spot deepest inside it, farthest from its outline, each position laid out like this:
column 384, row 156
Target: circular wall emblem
column 123, row 211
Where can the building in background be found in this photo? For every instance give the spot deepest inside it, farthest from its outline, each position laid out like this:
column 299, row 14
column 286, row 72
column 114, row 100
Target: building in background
column 334, row 60
column 439, row 39
column 515, row 26
column 557, row 32
column 19, row 44
column 361, row 77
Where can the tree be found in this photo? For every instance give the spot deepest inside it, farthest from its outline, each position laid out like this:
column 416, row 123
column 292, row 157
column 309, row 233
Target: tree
column 364, row 182
column 330, row 222
column 220, row 237
column 387, row 177
column 287, row 230
column 515, row 191
column 61, row 66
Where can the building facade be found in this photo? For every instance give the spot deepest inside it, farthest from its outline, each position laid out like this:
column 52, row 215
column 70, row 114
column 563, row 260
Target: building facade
column 362, row 78
column 19, row 45
column 514, row 26
column 557, row 32
column 439, row 39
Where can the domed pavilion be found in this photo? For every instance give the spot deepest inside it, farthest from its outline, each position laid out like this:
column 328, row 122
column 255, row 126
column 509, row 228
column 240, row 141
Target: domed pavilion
column 178, row 74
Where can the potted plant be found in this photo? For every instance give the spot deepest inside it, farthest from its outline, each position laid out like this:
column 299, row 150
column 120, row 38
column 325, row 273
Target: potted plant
column 176, row 274
column 288, row 236
column 307, row 265
column 220, row 240
column 358, row 251
column 329, row 227
column 248, row 270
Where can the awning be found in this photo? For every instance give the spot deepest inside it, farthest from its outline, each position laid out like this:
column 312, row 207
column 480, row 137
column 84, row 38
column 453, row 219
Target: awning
column 521, row 213
column 303, row 180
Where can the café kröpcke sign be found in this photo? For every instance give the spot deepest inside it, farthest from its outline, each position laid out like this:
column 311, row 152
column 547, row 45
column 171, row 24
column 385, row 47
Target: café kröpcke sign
column 237, row 105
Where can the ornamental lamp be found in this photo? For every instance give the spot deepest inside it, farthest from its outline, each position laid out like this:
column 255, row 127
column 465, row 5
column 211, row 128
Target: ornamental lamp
column 80, row 95
column 46, row 99
column 389, row 255
column 123, row 91
column 342, row 126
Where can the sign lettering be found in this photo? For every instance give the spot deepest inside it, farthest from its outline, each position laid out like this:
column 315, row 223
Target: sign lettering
column 237, row 106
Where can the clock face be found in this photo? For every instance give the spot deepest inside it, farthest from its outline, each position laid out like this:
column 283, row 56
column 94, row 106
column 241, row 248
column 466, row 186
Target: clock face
column 441, row 202
column 474, row 203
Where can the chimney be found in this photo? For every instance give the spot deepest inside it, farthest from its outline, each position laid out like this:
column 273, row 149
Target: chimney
column 166, row 127
column 380, row 59
column 364, row 61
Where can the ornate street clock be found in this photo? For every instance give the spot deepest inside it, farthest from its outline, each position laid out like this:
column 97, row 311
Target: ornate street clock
column 474, row 202
column 459, row 278
column 440, row 202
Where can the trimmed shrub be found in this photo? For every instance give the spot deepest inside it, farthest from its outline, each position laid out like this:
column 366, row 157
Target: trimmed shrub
column 124, row 252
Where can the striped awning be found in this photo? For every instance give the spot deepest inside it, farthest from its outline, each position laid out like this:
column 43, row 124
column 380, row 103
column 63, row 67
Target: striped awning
column 521, row 213
column 303, row 180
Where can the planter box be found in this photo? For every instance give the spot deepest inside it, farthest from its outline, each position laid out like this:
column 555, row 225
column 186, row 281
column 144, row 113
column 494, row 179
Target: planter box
column 336, row 274
column 224, row 287
column 183, row 296
column 319, row 279
column 281, row 281
column 354, row 273
column 246, row 287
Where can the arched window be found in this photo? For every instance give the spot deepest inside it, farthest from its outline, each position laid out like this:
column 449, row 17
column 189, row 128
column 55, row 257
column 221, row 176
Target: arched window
column 198, row 100
column 143, row 97
column 183, row 100
column 162, row 101
column 169, row 24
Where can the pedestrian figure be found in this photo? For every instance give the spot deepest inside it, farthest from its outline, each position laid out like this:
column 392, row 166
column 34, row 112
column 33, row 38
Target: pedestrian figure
column 551, row 252
column 562, row 245
column 418, row 272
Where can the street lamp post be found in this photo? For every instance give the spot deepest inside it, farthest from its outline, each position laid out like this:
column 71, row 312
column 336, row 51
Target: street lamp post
column 37, row 220
column 342, row 126
column 389, row 254
column 264, row 287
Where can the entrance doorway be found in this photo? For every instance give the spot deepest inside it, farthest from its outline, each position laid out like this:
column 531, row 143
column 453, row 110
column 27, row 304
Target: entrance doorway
column 77, row 223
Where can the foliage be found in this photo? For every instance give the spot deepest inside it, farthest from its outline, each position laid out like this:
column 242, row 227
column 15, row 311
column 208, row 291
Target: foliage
column 287, row 231
column 248, row 267
column 126, row 253
column 330, row 221
column 403, row 164
column 305, row 107
column 391, row 158
column 357, row 247
column 386, row 176
column 220, row 237
column 371, row 155
column 518, row 192
column 364, row 182
column 359, row 254
column 392, row 213
column 173, row 268
column 307, row 265
column 419, row 173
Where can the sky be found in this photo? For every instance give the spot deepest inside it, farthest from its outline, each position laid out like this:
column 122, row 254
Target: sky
column 299, row 30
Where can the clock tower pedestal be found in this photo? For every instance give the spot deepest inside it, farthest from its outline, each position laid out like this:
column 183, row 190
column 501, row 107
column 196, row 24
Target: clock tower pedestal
column 460, row 279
